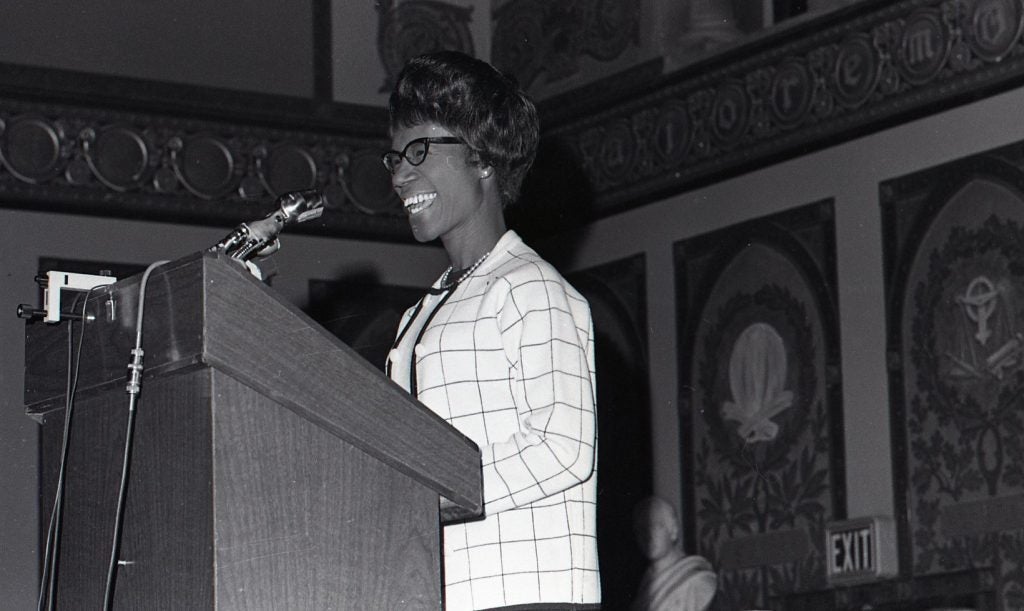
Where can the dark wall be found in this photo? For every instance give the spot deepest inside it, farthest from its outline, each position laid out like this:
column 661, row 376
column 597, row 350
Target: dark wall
column 263, row 46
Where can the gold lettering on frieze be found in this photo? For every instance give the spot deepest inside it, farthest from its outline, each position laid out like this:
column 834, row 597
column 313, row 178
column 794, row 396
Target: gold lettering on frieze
column 791, row 93
column 856, row 70
column 672, row 134
column 919, row 46
column 849, row 75
column 991, row 22
column 925, row 47
column 994, row 27
column 785, row 87
column 666, row 138
column 851, row 70
column 727, row 114
column 617, row 151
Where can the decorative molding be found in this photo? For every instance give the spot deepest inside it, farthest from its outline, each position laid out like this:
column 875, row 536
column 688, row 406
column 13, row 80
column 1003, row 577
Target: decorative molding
column 534, row 38
column 119, row 146
column 66, row 158
column 415, row 27
column 805, row 87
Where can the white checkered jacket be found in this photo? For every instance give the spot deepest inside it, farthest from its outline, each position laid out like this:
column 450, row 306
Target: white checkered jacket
column 507, row 357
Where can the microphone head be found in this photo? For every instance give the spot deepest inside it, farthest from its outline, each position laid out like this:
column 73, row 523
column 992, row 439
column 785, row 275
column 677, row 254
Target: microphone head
column 301, row 206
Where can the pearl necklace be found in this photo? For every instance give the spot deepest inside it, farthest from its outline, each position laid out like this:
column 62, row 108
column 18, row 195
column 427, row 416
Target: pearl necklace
column 445, row 285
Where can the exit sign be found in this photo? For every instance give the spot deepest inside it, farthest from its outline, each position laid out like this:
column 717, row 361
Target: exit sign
column 859, row 550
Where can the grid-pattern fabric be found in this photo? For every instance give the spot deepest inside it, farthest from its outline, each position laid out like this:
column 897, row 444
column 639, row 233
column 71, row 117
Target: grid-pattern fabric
column 507, row 358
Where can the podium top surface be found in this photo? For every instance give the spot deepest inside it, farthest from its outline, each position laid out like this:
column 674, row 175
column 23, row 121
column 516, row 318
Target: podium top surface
column 205, row 310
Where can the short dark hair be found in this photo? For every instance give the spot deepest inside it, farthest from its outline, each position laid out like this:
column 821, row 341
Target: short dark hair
column 475, row 102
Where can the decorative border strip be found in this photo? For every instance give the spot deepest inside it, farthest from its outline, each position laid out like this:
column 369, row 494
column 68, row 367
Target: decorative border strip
column 71, row 142
column 835, row 78
column 71, row 159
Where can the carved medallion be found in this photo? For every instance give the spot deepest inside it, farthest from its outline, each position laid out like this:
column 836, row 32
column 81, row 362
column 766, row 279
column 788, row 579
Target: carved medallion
column 791, row 93
column 617, row 151
column 610, row 26
column 32, row 148
column 856, row 71
column 535, row 38
column 286, row 167
column 673, row 134
column 730, row 114
column 518, row 40
column 924, row 46
column 759, row 374
column 367, row 185
column 117, row 155
column 204, row 164
column 414, row 27
column 994, row 27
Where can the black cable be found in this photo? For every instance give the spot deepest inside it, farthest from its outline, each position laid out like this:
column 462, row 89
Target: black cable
column 133, row 387
column 48, row 581
column 108, row 596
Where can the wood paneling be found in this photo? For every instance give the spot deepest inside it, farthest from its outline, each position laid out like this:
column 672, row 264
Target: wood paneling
column 271, row 467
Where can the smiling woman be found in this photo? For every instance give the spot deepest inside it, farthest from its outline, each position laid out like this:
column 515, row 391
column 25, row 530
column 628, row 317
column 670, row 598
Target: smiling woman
column 470, row 221
column 501, row 347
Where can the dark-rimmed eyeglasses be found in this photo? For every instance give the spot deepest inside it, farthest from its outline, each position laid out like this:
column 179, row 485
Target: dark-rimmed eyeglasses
column 415, row 152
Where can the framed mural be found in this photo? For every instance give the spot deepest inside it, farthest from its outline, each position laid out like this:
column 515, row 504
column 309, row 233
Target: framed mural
column 618, row 303
column 760, row 402
column 954, row 257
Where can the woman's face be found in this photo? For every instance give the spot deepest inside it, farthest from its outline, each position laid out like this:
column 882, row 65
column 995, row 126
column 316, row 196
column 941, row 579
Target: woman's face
column 442, row 194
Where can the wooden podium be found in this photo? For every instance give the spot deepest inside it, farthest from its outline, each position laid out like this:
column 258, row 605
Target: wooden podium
column 272, row 467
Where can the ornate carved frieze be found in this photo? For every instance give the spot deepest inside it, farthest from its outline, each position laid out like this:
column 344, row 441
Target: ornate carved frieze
column 75, row 159
column 534, row 38
column 808, row 87
column 415, row 27
column 101, row 145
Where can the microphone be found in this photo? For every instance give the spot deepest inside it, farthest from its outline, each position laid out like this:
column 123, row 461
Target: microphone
column 259, row 238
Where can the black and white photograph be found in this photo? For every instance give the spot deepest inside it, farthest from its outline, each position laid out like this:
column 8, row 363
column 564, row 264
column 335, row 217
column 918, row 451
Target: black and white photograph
column 520, row 305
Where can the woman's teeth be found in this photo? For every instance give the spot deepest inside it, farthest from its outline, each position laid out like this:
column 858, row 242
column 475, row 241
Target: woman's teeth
column 419, row 202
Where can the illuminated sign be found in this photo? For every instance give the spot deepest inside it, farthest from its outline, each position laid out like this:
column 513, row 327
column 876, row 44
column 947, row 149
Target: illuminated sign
column 859, row 550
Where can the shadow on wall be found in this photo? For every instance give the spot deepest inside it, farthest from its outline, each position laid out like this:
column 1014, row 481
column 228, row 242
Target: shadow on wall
column 556, row 195
column 558, row 198
column 617, row 302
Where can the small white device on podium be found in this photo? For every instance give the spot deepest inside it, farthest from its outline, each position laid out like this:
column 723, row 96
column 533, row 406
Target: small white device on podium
column 57, row 281
column 860, row 550
column 53, row 284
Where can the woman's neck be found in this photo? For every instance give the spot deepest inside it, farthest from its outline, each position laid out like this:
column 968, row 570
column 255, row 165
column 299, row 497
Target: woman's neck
column 467, row 247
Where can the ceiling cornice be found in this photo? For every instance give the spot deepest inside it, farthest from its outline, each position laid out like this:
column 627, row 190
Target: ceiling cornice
column 95, row 144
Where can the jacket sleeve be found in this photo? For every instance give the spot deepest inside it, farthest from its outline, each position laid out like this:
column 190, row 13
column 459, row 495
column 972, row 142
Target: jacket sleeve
column 547, row 337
